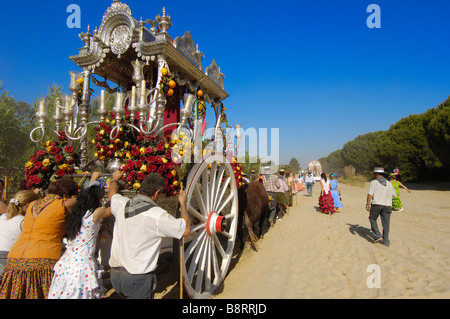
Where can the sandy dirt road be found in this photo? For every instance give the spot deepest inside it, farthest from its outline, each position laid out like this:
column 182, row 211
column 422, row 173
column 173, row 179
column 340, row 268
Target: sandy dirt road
column 309, row 255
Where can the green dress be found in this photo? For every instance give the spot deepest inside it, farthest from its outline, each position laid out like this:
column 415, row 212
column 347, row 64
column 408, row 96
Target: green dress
column 396, row 202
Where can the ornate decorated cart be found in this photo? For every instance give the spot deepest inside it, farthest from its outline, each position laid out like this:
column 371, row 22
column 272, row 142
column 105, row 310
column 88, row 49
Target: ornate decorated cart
column 148, row 129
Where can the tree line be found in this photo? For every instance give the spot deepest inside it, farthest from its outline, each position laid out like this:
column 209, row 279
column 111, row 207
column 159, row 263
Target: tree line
column 419, row 145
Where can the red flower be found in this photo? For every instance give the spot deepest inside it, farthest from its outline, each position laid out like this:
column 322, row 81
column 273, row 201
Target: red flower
column 44, row 169
column 151, row 168
column 140, row 176
column 58, row 158
column 54, row 150
column 135, row 152
column 34, row 180
column 40, row 154
column 160, row 147
column 37, row 165
column 60, row 173
column 61, row 136
column 138, row 164
column 68, row 149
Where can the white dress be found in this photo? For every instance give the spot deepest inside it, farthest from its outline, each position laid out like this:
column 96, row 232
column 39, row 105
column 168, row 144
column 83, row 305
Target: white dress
column 78, row 273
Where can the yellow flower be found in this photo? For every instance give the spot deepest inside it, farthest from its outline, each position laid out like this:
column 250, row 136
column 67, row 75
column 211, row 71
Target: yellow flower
column 106, row 120
column 96, row 154
column 164, row 160
column 117, row 140
column 29, row 165
column 128, row 155
column 136, row 185
column 101, row 158
column 166, row 145
column 142, row 150
column 121, row 154
column 63, row 166
column 48, row 148
column 143, row 168
column 175, row 183
column 102, row 132
column 174, row 172
column 47, row 143
column 46, row 162
column 93, row 141
column 113, row 122
column 125, row 144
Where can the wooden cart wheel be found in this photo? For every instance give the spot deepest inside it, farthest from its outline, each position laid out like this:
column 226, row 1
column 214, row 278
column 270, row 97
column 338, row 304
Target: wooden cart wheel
column 212, row 203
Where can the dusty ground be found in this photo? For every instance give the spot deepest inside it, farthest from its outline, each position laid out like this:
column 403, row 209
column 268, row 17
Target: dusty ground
column 311, row 255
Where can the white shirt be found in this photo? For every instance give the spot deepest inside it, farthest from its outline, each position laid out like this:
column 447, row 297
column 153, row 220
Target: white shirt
column 325, row 185
column 381, row 195
column 10, row 230
column 310, row 179
column 137, row 240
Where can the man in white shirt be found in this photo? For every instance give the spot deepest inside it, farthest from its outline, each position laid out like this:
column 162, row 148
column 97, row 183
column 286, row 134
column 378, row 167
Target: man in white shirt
column 310, row 183
column 379, row 203
column 140, row 225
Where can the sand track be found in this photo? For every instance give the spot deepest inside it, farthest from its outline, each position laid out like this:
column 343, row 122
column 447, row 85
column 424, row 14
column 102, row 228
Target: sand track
column 311, row 255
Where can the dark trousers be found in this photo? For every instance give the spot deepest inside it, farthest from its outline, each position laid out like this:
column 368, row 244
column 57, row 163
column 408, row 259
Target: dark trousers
column 385, row 215
column 129, row 286
column 272, row 206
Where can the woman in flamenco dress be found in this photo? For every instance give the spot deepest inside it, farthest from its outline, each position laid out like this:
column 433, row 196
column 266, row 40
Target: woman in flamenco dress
column 326, row 203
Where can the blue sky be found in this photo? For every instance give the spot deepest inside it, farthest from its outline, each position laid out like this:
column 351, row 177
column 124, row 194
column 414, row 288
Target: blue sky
column 311, row 68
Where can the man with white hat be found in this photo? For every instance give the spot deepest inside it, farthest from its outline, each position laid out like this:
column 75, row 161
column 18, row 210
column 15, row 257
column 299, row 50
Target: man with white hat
column 379, row 203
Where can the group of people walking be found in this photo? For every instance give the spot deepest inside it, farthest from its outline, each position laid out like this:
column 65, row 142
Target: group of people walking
column 35, row 263
column 330, row 194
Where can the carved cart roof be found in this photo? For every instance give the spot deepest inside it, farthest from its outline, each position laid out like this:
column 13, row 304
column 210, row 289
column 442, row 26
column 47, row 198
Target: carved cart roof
column 121, row 39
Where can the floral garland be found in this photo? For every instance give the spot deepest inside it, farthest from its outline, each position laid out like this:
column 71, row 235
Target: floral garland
column 141, row 154
column 238, row 172
column 167, row 83
column 55, row 161
column 201, row 104
column 223, row 117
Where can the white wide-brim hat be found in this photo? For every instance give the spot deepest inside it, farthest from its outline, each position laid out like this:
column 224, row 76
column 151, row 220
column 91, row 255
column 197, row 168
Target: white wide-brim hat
column 378, row 170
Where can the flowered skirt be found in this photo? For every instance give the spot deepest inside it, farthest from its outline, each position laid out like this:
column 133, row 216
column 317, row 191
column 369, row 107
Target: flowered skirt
column 326, row 203
column 27, row 278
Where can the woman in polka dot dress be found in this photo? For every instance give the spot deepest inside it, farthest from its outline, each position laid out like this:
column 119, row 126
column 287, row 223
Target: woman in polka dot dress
column 78, row 273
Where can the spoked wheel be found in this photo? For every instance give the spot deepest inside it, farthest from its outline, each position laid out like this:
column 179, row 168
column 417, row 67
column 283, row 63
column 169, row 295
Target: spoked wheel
column 212, row 203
